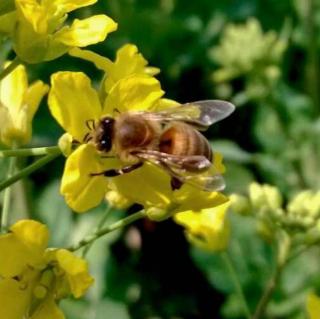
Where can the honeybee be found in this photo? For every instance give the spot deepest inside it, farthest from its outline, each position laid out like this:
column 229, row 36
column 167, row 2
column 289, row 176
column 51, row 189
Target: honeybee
column 170, row 139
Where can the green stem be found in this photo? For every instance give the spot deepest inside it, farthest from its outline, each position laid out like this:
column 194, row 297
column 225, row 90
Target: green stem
column 28, row 170
column 284, row 245
column 7, row 197
column 98, row 228
column 267, row 294
column 312, row 52
column 36, row 151
column 10, row 68
column 236, row 282
column 108, row 229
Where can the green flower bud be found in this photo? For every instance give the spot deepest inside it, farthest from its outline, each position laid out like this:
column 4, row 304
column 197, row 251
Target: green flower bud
column 158, row 214
column 240, row 204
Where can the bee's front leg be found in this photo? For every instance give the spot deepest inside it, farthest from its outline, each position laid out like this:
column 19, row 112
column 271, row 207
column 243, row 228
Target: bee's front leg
column 117, row 172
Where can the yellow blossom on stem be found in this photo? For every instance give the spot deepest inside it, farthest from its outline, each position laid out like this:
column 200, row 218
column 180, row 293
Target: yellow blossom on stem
column 40, row 33
column 128, row 61
column 33, row 278
column 18, row 104
column 208, row 229
column 73, row 102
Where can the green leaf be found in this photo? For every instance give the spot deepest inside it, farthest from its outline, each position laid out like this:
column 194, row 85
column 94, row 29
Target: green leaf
column 268, row 130
column 237, row 178
column 231, row 151
column 53, row 211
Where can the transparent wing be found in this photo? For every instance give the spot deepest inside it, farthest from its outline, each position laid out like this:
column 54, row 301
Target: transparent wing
column 200, row 114
column 210, row 183
column 192, row 170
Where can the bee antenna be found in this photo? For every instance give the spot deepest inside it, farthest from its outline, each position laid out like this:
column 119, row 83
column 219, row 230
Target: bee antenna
column 116, row 110
column 105, row 156
column 90, row 124
column 87, row 138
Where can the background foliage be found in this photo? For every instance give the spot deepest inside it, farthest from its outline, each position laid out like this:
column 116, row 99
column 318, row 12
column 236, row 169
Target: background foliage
column 263, row 56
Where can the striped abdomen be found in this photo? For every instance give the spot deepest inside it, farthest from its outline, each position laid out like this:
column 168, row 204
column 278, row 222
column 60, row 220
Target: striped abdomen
column 182, row 139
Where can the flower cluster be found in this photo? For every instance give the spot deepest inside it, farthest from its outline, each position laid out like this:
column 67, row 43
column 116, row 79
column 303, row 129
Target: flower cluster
column 300, row 216
column 73, row 102
column 39, row 33
column 33, row 278
column 18, row 104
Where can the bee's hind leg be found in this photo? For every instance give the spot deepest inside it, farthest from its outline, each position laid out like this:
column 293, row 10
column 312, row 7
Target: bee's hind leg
column 117, row 172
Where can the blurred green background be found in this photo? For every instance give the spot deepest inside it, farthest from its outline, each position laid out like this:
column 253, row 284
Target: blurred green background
column 264, row 57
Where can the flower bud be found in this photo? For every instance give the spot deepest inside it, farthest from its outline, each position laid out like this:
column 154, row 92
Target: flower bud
column 158, row 214
column 65, row 144
column 240, row 204
column 117, row 200
column 264, row 196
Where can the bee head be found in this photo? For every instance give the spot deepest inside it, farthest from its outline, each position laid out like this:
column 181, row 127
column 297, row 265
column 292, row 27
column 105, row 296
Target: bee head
column 104, row 134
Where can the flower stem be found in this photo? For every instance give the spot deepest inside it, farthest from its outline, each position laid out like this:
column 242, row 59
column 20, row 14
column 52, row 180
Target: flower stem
column 284, row 244
column 36, row 151
column 10, row 68
column 108, row 229
column 28, row 170
column 267, row 294
column 99, row 227
column 234, row 277
column 7, row 197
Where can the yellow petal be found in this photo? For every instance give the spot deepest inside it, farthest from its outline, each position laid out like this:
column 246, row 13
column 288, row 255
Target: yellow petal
column 48, row 310
column 13, row 88
column 81, row 190
column 14, row 299
column 85, row 32
column 148, row 186
column 313, row 306
column 163, row 104
column 32, row 234
column 73, row 101
column 76, row 270
column 68, row 5
column 128, row 61
column 190, row 198
column 33, row 47
column 208, row 229
column 33, row 96
column 23, row 246
column 34, row 14
column 133, row 93
column 7, row 22
column 217, row 163
column 101, row 62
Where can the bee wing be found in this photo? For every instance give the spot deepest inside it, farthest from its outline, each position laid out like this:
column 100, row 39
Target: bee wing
column 200, row 114
column 186, row 169
column 210, row 183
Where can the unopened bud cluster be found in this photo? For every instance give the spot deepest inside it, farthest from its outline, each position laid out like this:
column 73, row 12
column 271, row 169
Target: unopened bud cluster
column 265, row 203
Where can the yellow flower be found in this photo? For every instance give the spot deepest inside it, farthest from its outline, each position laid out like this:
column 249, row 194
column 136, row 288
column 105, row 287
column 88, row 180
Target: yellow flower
column 73, row 102
column 128, row 61
column 313, row 306
column 207, row 229
column 33, row 278
column 40, row 33
column 18, row 104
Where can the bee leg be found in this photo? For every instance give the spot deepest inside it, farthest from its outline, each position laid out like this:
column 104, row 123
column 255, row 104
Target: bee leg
column 90, row 124
column 121, row 171
column 175, row 183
